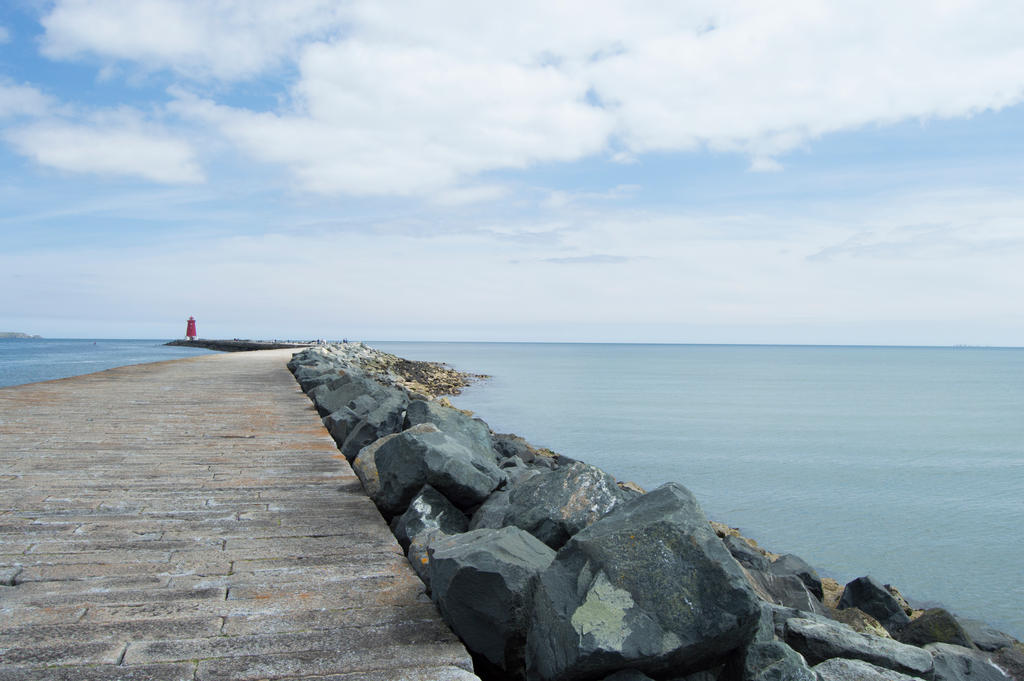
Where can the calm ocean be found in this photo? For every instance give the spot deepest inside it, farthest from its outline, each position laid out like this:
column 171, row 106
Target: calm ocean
column 27, row 360
column 903, row 463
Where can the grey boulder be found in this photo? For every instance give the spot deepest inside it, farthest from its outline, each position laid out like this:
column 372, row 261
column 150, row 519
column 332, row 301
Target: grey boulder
column 868, row 595
column 481, row 581
column 470, row 431
column 647, row 587
column 818, row 641
column 785, row 589
column 507, row 445
column 413, row 459
column 429, row 511
column 774, row 661
column 555, row 505
column 341, row 390
column 956, row 663
column 935, row 625
column 839, row 669
column 491, row 514
column 984, row 636
column 365, row 463
column 745, row 554
column 788, row 564
column 384, row 418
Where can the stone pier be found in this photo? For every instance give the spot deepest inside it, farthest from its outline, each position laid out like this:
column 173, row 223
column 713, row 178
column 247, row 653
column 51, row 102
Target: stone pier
column 192, row 519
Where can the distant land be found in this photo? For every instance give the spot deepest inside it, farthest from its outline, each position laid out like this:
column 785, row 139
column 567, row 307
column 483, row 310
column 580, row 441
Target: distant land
column 16, row 334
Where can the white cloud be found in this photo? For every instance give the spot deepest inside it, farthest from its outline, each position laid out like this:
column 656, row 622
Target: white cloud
column 122, row 146
column 198, row 39
column 764, row 164
column 23, row 100
column 5, row 35
column 412, row 98
column 382, row 119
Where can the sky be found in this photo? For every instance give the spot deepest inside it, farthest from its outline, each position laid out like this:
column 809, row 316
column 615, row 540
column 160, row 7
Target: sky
column 736, row 171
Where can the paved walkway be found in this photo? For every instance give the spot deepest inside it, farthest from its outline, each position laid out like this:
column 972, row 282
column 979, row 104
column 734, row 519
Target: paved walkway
column 193, row 520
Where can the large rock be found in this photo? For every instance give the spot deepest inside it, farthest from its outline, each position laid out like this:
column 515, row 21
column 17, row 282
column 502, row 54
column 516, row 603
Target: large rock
column 818, row 641
column 341, row 390
column 647, row 587
column 774, row 661
column 429, row 511
column 481, row 581
column 1012, row 660
column 985, row 636
column 788, row 564
column 838, row 669
column 312, row 375
column 786, row 589
column 414, row 459
column 956, row 663
column 470, row 431
column 491, row 514
column 935, row 625
column 555, row 505
column 745, row 554
column 507, row 445
column 870, row 596
column 384, row 418
column 365, row 463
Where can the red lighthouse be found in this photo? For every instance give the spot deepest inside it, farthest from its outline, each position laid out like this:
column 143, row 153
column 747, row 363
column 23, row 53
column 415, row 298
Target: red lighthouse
column 190, row 328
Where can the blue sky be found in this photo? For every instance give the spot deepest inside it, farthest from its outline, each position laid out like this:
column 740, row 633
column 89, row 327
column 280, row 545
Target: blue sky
column 806, row 172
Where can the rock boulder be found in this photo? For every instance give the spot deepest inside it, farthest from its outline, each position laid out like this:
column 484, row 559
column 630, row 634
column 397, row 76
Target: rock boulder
column 648, row 587
column 839, row 669
column 818, row 641
column 935, row 625
column 429, row 511
column 555, row 505
column 956, row 663
column 481, row 582
column 774, row 661
column 870, row 596
column 471, row 432
column 413, row 459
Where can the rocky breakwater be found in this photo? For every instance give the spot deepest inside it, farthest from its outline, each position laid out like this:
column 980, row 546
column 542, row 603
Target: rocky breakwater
column 551, row 570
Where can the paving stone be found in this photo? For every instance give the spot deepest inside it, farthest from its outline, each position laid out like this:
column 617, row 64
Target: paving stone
column 211, row 519
column 50, row 654
column 365, row 639
column 340, row 661
column 162, row 672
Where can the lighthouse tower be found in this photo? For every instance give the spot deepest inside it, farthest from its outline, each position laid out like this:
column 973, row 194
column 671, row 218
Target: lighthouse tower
column 190, row 328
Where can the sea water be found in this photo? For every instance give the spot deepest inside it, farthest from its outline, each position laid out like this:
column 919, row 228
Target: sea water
column 903, row 463
column 27, row 360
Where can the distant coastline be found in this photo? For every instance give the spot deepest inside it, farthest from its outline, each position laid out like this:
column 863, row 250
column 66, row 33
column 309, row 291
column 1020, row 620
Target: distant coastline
column 16, row 334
